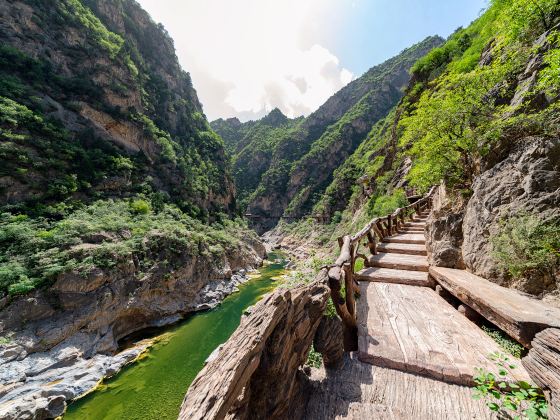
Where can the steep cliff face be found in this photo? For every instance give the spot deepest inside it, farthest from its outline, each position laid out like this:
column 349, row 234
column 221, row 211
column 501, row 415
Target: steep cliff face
column 480, row 117
column 116, row 199
column 291, row 164
column 99, row 88
column 251, row 145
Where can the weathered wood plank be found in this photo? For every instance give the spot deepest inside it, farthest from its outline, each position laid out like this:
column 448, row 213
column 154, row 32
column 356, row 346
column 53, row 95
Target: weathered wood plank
column 415, row 224
column 414, row 330
column 416, row 230
column 362, row 391
column 406, row 238
column 543, row 365
column 519, row 315
column 399, row 261
column 411, row 249
column 388, row 275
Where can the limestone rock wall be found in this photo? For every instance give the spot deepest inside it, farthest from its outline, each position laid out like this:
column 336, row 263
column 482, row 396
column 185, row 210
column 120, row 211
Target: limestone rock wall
column 526, row 181
column 519, row 176
column 68, row 334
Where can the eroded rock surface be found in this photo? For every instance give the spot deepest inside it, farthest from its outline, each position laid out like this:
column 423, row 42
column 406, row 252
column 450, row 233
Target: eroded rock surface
column 63, row 339
column 329, row 340
column 444, row 232
column 38, row 386
column 525, row 182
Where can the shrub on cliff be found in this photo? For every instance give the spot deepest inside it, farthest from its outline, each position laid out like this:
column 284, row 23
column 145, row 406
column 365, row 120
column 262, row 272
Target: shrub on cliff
column 526, row 244
column 34, row 251
column 460, row 114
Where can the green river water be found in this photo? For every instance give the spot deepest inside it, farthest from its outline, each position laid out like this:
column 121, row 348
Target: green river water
column 154, row 387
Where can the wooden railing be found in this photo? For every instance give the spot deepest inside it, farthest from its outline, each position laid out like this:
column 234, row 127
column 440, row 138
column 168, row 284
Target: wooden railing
column 342, row 271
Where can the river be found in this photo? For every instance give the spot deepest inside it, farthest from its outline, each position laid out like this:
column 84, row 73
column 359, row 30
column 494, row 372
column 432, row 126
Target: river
column 154, row 386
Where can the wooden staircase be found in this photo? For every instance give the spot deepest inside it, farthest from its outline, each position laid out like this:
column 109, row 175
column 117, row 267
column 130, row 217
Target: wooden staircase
column 406, row 328
column 400, row 258
column 411, row 328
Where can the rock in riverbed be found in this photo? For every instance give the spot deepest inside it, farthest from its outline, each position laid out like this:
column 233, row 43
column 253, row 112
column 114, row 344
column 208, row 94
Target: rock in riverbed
column 38, row 386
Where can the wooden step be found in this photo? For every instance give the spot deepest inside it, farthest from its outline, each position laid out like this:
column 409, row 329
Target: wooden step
column 406, row 238
column 519, row 315
column 412, row 230
column 389, row 275
column 414, row 330
column 415, row 224
column 411, row 249
column 399, row 261
column 349, row 391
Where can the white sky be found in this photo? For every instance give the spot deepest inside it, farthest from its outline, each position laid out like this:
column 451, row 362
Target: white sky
column 247, row 57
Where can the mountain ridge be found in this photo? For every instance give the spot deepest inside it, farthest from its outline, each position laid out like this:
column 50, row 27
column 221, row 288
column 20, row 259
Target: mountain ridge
column 276, row 164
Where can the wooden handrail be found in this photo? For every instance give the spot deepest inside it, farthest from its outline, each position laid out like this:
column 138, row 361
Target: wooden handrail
column 375, row 231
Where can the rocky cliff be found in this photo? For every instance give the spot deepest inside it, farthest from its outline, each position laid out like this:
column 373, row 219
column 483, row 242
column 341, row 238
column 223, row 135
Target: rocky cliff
column 116, row 199
column 104, row 104
column 504, row 225
column 63, row 340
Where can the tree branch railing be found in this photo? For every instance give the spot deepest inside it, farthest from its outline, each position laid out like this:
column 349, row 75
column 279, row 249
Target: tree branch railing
column 342, row 271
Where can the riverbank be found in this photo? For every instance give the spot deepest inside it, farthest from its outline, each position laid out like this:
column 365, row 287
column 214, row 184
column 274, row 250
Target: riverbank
column 154, row 386
column 39, row 384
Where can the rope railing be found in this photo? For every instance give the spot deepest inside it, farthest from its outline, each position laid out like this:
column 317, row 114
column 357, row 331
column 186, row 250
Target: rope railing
column 342, row 271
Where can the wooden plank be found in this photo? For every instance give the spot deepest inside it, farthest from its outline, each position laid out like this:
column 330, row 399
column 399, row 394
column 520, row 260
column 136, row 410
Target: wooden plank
column 362, row 391
column 521, row 316
column 399, row 261
column 543, row 364
column 406, row 238
column 415, row 224
column 388, row 275
column 414, row 330
column 411, row 249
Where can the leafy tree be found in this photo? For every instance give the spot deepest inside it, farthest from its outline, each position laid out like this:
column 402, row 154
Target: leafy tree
column 444, row 131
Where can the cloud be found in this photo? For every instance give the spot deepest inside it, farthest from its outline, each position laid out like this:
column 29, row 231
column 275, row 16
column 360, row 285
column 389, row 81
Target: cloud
column 247, row 57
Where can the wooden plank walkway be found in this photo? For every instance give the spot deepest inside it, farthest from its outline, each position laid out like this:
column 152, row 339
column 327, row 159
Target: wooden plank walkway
column 417, row 354
column 404, row 324
column 402, row 248
column 362, row 391
column 407, row 238
column 413, row 329
column 400, row 261
column 387, row 275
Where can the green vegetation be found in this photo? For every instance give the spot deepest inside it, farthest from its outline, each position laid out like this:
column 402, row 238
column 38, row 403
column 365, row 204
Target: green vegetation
column 458, row 111
column 72, row 198
column 517, row 400
column 314, row 358
column 275, row 152
column 34, row 251
column 387, row 204
column 526, row 244
column 75, row 10
column 505, row 342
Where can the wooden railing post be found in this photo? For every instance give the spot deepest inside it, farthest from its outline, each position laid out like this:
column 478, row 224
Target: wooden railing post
column 349, row 284
column 372, row 245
